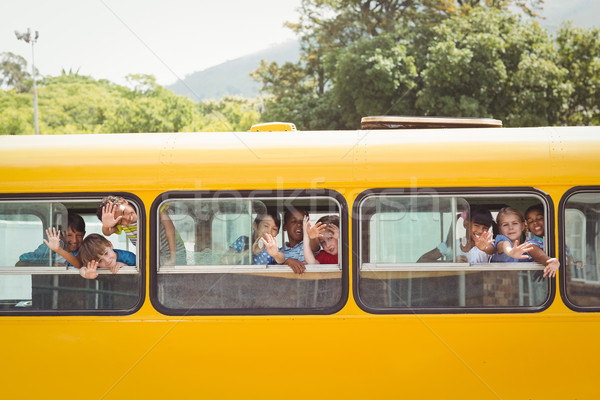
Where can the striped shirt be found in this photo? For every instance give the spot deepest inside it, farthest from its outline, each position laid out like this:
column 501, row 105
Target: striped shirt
column 130, row 230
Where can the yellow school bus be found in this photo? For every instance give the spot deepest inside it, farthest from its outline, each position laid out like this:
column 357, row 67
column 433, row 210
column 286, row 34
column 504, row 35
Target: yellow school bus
column 378, row 324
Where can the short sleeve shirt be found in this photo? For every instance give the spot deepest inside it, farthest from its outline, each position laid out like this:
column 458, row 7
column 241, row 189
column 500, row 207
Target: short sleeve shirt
column 325, row 258
column 125, row 257
column 130, row 230
column 502, row 258
column 262, row 258
column 296, row 252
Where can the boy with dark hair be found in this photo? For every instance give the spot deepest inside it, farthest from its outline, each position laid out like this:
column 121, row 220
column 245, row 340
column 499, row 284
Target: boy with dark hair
column 292, row 251
column 118, row 215
column 68, row 255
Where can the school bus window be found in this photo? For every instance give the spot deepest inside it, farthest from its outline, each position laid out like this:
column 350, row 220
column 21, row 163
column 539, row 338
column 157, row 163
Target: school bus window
column 228, row 264
column 581, row 249
column 420, row 251
column 40, row 242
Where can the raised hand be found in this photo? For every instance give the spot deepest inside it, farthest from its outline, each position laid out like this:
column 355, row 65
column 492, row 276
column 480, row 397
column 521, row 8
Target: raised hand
column 53, row 241
column 483, row 242
column 108, row 216
column 89, row 271
column 270, row 244
column 313, row 232
column 551, row 267
column 518, row 251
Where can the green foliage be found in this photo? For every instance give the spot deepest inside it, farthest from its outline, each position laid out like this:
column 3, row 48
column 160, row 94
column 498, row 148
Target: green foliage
column 490, row 64
column 148, row 107
column 13, row 72
column 372, row 76
column 295, row 96
column 467, row 58
column 76, row 104
column 579, row 54
column 234, row 114
column 72, row 103
column 16, row 112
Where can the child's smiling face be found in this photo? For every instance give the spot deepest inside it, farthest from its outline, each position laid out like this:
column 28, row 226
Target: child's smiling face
column 108, row 258
column 535, row 222
column 266, row 225
column 511, row 226
column 477, row 229
column 293, row 227
column 128, row 213
column 74, row 239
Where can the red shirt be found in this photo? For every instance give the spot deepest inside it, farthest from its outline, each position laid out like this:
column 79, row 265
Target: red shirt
column 325, row 258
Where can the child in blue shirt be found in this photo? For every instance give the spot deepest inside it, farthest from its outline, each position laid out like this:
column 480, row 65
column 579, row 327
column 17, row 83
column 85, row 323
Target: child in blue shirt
column 506, row 248
column 96, row 251
column 52, row 248
column 534, row 217
column 267, row 222
column 292, row 251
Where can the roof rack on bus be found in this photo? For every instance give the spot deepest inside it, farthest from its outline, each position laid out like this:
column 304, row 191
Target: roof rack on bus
column 273, row 127
column 404, row 122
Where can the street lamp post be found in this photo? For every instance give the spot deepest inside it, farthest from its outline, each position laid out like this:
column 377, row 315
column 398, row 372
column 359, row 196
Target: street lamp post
column 29, row 38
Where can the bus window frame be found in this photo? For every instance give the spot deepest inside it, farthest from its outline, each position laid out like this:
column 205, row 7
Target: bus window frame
column 286, row 195
column 499, row 191
column 140, row 248
column 562, row 243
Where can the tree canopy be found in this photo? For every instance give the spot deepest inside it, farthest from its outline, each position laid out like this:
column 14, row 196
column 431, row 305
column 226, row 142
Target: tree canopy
column 13, row 72
column 469, row 58
column 77, row 104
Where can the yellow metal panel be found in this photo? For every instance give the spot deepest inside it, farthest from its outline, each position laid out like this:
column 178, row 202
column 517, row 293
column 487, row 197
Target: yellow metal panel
column 552, row 354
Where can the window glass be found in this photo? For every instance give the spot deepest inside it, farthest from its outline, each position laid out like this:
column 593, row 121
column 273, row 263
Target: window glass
column 581, row 249
column 418, row 251
column 34, row 278
column 227, row 269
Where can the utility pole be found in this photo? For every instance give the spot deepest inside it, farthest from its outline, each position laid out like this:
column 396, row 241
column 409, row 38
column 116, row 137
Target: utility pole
column 29, row 38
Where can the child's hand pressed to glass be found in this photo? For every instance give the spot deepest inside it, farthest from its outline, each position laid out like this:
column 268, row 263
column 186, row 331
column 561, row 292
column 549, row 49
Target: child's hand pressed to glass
column 313, row 232
column 53, row 241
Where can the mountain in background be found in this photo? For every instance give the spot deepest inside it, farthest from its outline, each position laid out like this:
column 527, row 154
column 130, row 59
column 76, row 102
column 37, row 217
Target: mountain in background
column 233, row 77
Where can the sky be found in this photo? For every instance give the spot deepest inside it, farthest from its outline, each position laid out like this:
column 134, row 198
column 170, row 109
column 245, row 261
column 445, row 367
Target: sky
column 166, row 38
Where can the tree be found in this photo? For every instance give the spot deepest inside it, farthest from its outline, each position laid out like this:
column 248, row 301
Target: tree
column 362, row 57
column 231, row 113
column 372, row 76
column 491, row 64
column 294, row 96
column 579, row 54
column 71, row 103
column 148, row 107
column 13, row 73
column 16, row 113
